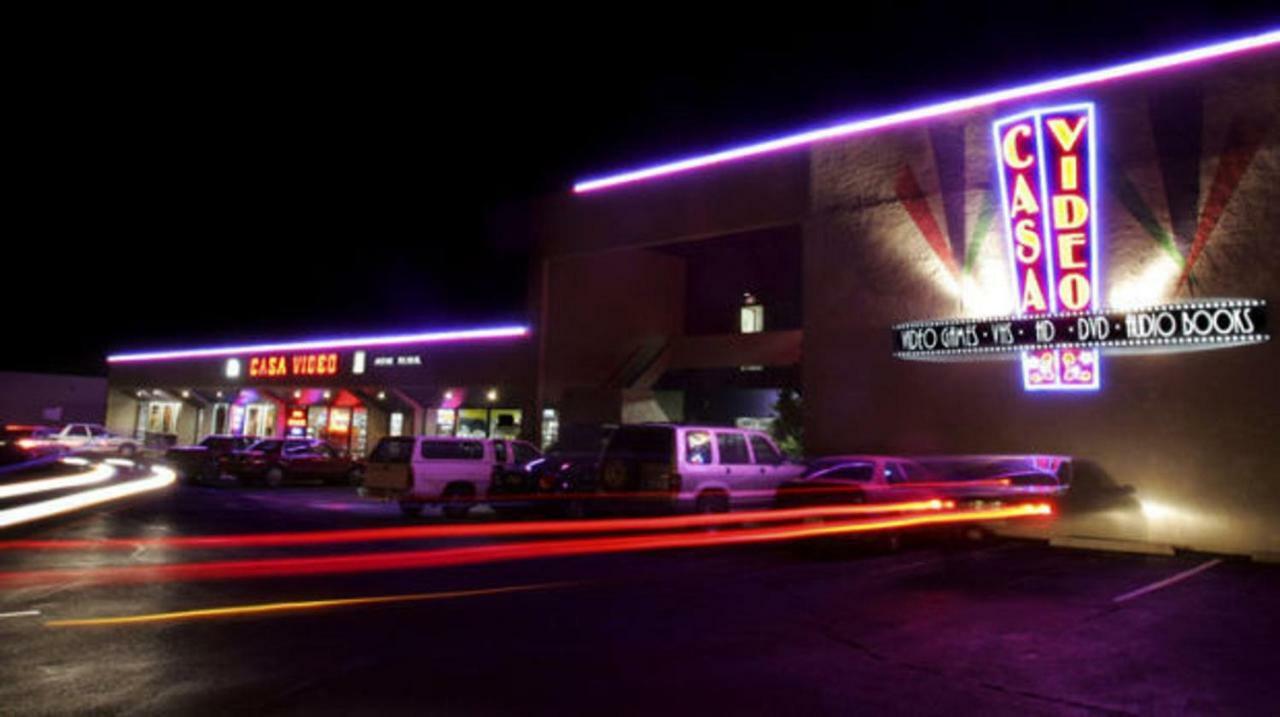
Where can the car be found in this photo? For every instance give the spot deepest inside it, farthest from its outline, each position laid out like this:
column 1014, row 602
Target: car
column 554, row 483
column 891, row 479
column 274, row 461
column 454, row 473
column 207, row 459
column 94, row 438
column 20, row 443
column 671, row 467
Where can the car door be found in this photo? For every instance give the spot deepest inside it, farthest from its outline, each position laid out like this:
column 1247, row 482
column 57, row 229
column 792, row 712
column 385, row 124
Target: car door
column 772, row 467
column 743, row 478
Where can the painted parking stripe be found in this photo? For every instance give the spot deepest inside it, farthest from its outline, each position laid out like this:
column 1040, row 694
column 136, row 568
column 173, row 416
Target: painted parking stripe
column 1161, row 584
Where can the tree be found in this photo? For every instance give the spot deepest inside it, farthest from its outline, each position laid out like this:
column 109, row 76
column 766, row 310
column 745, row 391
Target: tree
column 788, row 428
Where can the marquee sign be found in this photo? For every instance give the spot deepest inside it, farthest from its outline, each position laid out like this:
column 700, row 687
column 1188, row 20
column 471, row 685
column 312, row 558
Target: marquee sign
column 1189, row 326
column 1048, row 176
column 280, row 366
column 1048, row 179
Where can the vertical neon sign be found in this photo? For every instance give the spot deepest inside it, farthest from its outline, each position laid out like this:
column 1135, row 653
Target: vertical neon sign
column 1048, row 178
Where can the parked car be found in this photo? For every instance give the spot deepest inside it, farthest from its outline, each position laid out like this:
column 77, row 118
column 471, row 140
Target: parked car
column 554, row 483
column 207, row 459
column 274, row 461
column 94, row 438
column 891, row 479
column 21, row 443
column 707, row 469
column 455, row 473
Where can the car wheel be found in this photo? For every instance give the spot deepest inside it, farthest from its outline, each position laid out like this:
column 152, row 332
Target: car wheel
column 712, row 502
column 355, row 477
column 208, row 472
column 457, row 501
column 128, row 450
column 410, row 509
column 274, row 477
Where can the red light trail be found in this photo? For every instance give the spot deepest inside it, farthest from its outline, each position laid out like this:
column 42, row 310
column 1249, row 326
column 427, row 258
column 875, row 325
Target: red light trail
column 474, row 555
column 416, row 532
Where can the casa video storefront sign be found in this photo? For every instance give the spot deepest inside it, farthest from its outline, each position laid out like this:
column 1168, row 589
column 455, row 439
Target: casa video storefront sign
column 1169, row 327
column 1048, row 178
column 1048, row 183
column 284, row 366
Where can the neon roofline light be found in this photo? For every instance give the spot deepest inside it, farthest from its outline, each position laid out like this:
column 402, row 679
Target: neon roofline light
column 433, row 337
column 860, row 126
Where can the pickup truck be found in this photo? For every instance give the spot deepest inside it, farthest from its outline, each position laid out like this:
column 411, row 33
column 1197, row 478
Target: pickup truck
column 454, row 473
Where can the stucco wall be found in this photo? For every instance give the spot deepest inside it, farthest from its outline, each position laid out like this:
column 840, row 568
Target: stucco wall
column 1178, row 449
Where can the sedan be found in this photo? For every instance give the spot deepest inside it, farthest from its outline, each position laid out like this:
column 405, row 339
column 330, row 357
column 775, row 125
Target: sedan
column 276, row 460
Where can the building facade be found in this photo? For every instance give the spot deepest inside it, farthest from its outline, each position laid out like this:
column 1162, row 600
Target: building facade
column 645, row 278
column 348, row 392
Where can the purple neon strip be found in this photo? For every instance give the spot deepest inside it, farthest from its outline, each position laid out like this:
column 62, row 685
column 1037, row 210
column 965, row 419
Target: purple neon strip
column 435, row 337
column 847, row 129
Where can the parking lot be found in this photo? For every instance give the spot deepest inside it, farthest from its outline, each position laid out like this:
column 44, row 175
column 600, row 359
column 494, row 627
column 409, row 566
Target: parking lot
column 932, row 625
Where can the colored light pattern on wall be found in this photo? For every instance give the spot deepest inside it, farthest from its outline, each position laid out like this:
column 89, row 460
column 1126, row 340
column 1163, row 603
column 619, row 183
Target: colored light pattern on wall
column 462, row 335
column 1267, row 39
column 1047, row 164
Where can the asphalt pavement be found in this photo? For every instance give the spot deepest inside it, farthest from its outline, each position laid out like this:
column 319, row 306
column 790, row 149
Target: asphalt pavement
column 931, row 625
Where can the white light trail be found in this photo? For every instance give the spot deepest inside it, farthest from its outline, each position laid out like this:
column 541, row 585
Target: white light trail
column 160, row 477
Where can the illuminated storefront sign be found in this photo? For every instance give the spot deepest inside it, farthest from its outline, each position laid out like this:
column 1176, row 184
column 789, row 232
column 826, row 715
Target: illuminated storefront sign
column 1048, row 174
column 399, row 360
column 1048, row 181
column 1188, row 326
column 279, row 366
column 296, row 422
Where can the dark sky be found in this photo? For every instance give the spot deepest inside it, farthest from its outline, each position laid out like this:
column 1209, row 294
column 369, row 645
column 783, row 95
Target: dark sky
column 245, row 178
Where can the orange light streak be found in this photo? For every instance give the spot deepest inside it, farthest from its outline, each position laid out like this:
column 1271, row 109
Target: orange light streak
column 480, row 554
column 289, row 607
column 508, row 529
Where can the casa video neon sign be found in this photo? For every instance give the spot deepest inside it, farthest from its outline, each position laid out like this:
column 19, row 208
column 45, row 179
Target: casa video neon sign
column 1047, row 162
column 281, row 366
column 1048, row 170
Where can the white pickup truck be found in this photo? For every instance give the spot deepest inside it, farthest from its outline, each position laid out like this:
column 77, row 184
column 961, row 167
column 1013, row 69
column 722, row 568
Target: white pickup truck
column 92, row 438
column 454, row 473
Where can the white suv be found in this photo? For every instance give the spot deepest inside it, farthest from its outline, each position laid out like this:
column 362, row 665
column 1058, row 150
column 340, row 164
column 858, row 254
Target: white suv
column 708, row 469
column 454, row 473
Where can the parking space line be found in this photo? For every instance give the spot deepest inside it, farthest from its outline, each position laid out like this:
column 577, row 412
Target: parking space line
column 1161, row 584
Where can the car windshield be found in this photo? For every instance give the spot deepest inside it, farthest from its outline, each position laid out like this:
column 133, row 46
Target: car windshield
column 266, row 446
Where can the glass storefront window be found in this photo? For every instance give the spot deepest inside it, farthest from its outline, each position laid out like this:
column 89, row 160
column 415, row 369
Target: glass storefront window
column 446, row 419
column 162, row 416
column 550, row 427
column 359, row 431
column 317, row 419
column 259, row 419
column 504, row 422
column 473, row 423
column 396, row 427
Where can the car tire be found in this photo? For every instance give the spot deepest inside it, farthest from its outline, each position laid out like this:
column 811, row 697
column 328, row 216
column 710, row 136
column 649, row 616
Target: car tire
column 208, row 472
column 128, row 450
column 456, row 501
column 274, row 477
column 410, row 509
column 712, row 501
column 354, row 477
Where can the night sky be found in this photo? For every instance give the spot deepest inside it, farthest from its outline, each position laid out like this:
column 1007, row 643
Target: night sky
column 245, row 179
